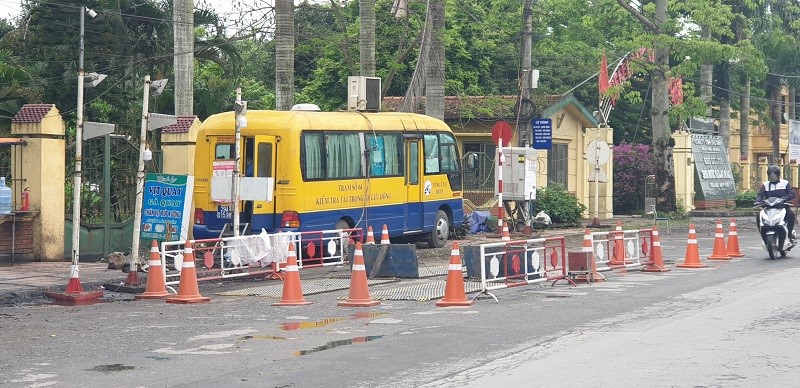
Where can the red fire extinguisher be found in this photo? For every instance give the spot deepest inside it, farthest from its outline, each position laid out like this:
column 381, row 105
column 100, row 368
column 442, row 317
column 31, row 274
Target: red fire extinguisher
column 25, row 205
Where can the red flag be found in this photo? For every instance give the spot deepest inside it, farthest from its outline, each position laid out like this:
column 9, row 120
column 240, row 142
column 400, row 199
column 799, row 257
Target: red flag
column 676, row 91
column 603, row 75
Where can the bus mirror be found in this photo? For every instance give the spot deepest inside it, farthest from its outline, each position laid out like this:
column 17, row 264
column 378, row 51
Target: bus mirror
column 472, row 161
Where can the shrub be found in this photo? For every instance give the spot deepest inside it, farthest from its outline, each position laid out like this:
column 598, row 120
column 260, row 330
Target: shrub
column 559, row 204
column 745, row 198
column 632, row 163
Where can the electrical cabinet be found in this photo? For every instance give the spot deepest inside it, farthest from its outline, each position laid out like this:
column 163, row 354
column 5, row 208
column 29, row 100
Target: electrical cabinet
column 520, row 167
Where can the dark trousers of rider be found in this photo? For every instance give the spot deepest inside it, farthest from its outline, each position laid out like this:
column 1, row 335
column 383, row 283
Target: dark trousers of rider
column 790, row 220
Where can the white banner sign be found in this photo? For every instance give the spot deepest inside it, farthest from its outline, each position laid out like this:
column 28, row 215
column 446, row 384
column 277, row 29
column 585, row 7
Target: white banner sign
column 794, row 140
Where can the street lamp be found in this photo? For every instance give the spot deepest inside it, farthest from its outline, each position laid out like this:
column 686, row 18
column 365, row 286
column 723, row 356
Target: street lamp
column 153, row 88
column 76, row 202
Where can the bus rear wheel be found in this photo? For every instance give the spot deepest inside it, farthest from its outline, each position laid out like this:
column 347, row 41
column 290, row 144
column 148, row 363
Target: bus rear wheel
column 441, row 230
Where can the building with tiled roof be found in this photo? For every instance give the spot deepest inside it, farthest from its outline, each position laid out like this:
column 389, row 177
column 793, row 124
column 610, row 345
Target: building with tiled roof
column 29, row 119
column 573, row 126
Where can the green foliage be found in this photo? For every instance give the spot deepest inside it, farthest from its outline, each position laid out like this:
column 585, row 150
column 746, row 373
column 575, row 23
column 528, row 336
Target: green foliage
column 745, row 198
column 559, row 204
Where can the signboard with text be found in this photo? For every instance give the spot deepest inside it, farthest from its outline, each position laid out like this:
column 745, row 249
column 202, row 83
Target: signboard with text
column 166, row 207
column 713, row 176
column 542, row 134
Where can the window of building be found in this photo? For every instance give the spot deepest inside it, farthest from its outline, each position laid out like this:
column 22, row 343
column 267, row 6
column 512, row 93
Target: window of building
column 557, row 164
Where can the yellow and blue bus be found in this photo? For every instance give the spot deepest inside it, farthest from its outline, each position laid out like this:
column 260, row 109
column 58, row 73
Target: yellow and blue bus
column 334, row 170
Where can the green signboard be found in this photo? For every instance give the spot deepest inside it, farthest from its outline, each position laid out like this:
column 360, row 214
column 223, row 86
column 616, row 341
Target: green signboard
column 166, row 207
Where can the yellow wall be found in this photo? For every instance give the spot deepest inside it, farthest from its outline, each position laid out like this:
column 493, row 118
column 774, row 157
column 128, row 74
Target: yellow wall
column 570, row 127
column 178, row 150
column 39, row 157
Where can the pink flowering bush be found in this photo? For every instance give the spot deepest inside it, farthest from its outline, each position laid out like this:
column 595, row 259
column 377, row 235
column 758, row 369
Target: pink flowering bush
column 632, row 164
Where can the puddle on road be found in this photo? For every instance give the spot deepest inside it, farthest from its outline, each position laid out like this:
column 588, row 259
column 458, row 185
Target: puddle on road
column 112, row 368
column 261, row 337
column 327, row 321
column 334, row 344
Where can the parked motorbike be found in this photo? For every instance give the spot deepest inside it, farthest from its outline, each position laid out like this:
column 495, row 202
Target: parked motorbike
column 773, row 228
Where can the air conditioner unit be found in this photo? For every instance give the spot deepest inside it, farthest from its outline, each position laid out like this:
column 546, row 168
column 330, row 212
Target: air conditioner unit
column 363, row 93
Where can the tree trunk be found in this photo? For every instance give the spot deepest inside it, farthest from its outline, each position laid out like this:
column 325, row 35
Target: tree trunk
column 773, row 88
column 659, row 114
column 284, row 54
column 366, row 41
column 663, row 143
column 744, row 122
column 434, row 85
column 183, row 50
column 725, row 107
column 416, row 88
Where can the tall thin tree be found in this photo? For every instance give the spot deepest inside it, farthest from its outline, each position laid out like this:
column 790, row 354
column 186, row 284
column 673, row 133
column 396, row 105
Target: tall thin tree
column 284, row 54
column 663, row 143
column 183, row 39
column 366, row 41
column 434, row 84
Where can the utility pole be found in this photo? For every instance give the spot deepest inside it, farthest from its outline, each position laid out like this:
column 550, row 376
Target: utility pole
column 524, row 123
column 241, row 122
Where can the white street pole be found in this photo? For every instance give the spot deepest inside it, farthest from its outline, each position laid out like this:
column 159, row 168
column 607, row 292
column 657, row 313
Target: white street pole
column 76, row 188
column 237, row 161
column 137, row 214
column 596, row 220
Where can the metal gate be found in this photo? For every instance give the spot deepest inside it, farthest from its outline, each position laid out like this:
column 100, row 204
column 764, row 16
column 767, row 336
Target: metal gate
column 477, row 175
column 108, row 194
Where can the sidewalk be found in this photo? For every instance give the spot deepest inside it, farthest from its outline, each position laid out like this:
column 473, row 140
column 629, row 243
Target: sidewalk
column 26, row 282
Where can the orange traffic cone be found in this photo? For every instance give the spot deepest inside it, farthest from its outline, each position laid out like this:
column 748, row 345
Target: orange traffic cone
column 370, row 235
column 594, row 276
column 292, row 289
column 618, row 256
column 385, row 235
column 657, row 264
column 156, row 287
column 719, row 252
column 506, row 235
column 454, row 294
column 188, row 291
column 692, row 257
column 733, row 241
column 359, row 292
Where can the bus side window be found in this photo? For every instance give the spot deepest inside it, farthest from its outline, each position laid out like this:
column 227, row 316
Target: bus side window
column 449, row 153
column 431, row 148
column 264, row 168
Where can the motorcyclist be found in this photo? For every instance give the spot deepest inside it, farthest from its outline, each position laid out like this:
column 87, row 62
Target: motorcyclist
column 777, row 187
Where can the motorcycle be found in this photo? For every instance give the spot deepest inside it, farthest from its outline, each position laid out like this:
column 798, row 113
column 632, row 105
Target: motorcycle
column 773, row 228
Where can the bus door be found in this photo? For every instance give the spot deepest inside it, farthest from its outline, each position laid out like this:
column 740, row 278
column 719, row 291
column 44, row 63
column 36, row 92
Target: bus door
column 414, row 213
column 260, row 192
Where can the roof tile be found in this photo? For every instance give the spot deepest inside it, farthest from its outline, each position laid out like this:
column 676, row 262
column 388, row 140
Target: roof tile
column 183, row 125
column 32, row 113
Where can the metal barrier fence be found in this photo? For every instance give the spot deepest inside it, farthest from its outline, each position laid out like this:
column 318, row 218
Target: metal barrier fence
column 622, row 248
column 517, row 263
column 242, row 256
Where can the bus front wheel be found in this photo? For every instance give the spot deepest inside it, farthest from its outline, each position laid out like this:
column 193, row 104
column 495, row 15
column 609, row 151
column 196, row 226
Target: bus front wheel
column 441, row 230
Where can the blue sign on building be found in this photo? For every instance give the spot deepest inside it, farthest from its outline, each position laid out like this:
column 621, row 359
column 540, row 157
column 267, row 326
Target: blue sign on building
column 165, row 207
column 542, row 134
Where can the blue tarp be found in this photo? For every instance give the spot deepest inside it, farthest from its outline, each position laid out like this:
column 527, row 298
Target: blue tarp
column 477, row 222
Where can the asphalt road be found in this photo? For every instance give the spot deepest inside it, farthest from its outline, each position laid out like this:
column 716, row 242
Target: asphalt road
column 733, row 323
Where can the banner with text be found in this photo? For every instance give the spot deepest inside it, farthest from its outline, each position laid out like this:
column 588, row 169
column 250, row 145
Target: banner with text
column 166, row 207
